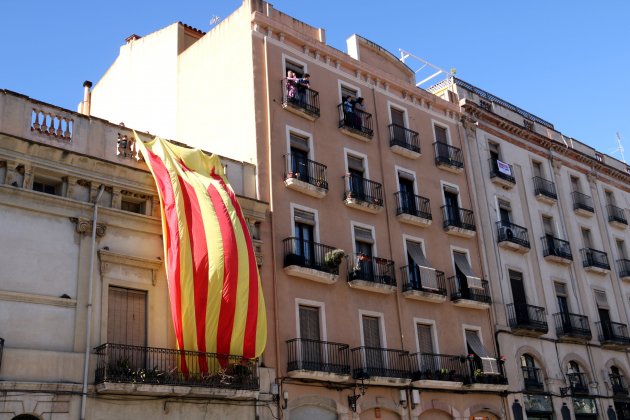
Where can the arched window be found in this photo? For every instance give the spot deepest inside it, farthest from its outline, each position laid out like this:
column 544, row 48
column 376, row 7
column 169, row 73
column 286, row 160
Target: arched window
column 577, row 379
column 531, row 374
column 618, row 382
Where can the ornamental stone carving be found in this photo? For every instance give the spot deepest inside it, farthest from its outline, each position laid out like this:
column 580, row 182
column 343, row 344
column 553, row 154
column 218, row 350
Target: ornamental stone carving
column 84, row 226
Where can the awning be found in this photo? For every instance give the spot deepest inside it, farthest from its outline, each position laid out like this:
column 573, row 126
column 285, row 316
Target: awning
column 462, row 264
column 427, row 273
column 489, row 365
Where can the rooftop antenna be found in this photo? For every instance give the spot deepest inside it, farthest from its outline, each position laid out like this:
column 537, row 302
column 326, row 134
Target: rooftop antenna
column 214, row 20
column 423, row 65
column 619, row 148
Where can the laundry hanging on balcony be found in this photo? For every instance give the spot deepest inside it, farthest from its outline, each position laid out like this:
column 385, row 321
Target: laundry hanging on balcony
column 428, row 276
column 215, row 292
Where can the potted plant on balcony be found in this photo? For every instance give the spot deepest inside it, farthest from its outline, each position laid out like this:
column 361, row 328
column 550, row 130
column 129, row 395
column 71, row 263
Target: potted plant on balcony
column 292, row 174
column 333, row 258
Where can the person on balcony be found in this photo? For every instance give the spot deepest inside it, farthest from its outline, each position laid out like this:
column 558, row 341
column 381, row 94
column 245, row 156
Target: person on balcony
column 359, row 109
column 291, row 86
column 303, row 84
column 348, row 111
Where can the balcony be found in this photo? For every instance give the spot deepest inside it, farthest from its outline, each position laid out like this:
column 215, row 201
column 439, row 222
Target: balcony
column 469, row 297
column 413, row 209
column 448, row 157
column 532, row 378
column 479, row 380
column 310, row 260
column 513, row 237
column 595, row 261
column 613, row 335
column 404, row 141
column 544, row 190
column 572, row 327
column 139, row 370
column 556, row 250
column 582, row 204
column 623, row 269
column 458, row 221
column 618, row 384
column 616, row 216
column 357, row 124
column 527, row 319
column 444, row 371
column 380, row 366
column 363, row 194
column 501, row 174
column 304, row 104
column 578, row 383
column 306, row 176
column 371, row 273
column 414, row 288
column 318, row 360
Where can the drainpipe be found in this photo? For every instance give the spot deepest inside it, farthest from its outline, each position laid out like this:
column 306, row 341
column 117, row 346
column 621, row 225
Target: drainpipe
column 87, row 98
column 88, row 325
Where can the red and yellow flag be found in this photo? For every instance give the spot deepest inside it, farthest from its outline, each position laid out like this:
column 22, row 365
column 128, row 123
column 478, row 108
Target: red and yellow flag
column 215, row 291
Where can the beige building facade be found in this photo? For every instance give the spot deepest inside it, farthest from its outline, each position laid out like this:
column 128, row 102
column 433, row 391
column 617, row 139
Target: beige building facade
column 553, row 221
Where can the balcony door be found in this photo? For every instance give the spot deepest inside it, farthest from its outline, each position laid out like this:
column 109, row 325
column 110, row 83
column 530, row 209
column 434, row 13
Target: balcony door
column 127, row 326
column 604, row 314
column 356, row 171
column 299, row 157
column 372, row 342
column 310, row 338
column 428, row 361
column 304, row 236
column 451, row 200
column 563, row 306
column 407, row 194
column 519, row 298
column 363, row 245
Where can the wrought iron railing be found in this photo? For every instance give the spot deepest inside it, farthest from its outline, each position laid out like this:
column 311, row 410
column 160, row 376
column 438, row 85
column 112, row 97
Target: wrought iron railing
column 445, row 154
column 437, row 367
column 623, row 267
column 415, row 205
column 532, row 378
column 501, row 170
column 556, row 247
column 578, row 382
column 613, row 332
column 149, row 365
column 412, row 280
column 522, row 315
column 594, row 258
column 582, row 201
column 544, row 187
column 574, row 325
column 404, row 137
column 619, row 384
column 511, row 232
column 306, row 170
column 370, row 362
column 300, row 97
column 616, row 214
column 459, row 289
column 356, row 121
column 309, row 254
column 1, row 350
column 318, row 356
column 371, row 269
column 363, row 189
column 478, row 375
column 454, row 216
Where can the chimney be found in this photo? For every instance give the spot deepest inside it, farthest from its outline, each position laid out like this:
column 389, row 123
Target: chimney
column 87, row 98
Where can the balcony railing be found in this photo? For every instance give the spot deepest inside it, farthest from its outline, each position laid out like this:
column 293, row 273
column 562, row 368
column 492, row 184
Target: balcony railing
column 613, row 333
column 618, row 383
column 582, row 202
column 532, row 378
column 455, row 217
column 415, row 205
column 594, row 258
column 371, row 269
column 477, row 375
column 305, row 99
column 448, row 155
column 134, row 364
column 460, row 290
column 358, row 121
column 318, row 356
column 404, row 137
column 556, row 247
column 412, row 280
column 1, row 350
column 623, row 267
column 305, row 170
column 437, row 367
column 308, row 254
column 578, row 383
column 522, row 315
column 572, row 325
column 502, row 170
column 363, row 190
column 511, row 232
column 545, row 188
column 370, row 362
column 616, row 214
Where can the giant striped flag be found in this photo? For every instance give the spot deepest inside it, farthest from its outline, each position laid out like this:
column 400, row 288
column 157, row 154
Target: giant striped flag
column 215, row 293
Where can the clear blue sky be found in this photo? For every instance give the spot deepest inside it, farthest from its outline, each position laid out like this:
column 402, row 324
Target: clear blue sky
column 565, row 61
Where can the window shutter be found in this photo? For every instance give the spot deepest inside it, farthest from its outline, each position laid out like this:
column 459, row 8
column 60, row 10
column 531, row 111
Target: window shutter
column 302, row 216
column 299, row 142
column 425, row 341
column 440, row 134
column 398, row 117
column 309, row 323
column 355, row 163
column 371, row 332
column 363, row 235
column 561, row 289
column 126, row 317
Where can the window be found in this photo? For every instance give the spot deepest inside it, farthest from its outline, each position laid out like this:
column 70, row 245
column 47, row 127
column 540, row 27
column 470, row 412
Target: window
column 464, row 274
column 482, row 361
column 398, row 116
column 371, row 331
column 548, row 225
column 364, row 249
column 603, row 310
column 310, row 338
column 298, row 158
column 505, row 212
column 561, row 297
column 304, row 227
column 621, row 249
column 530, row 372
column 425, row 339
column 441, row 135
column 363, row 241
column 126, row 325
column 293, row 66
column 48, row 185
column 407, row 193
column 586, row 238
column 421, row 274
column 538, row 169
column 575, row 184
column 356, row 176
column 451, row 202
column 133, row 206
column 452, row 97
column 348, row 91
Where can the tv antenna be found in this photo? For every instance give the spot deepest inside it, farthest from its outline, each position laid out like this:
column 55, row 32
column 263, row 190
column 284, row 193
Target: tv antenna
column 423, row 66
column 619, row 148
column 214, row 20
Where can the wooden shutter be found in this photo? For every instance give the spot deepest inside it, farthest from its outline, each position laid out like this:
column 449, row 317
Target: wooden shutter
column 425, row 339
column 363, row 235
column 309, row 322
column 298, row 142
column 371, row 332
column 355, row 163
column 301, row 216
column 440, row 134
column 398, row 117
column 126, row 316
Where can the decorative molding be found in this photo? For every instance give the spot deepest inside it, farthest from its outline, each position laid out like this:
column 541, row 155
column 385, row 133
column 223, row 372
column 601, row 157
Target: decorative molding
column 38, row 299
column 84, row 226
column 108, row 257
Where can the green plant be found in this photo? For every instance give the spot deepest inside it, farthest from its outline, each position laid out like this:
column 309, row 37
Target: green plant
column 478, row 373
column 333, row 258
